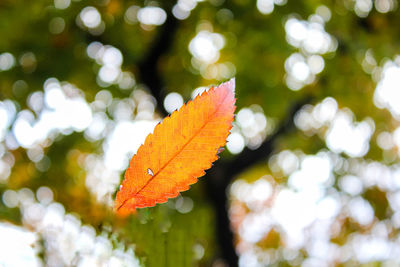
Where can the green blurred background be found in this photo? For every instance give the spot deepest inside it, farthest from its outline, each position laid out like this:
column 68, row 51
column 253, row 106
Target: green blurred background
column 310, row 175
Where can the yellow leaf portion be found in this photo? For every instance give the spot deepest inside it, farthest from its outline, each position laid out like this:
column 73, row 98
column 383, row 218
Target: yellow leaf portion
column 181, row 147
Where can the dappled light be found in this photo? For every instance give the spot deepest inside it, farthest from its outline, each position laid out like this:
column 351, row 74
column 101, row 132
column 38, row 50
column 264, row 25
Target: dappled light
column 267, row 6
column 173, row 101
column 312, row 41
column 250, row 128
column 309, row 175
column 306, row 210
column 182, row 8
column 205, row 46
column 151, row 16
column 67, row 241
column 7, row 61
column 387, row 92
column 60, row 113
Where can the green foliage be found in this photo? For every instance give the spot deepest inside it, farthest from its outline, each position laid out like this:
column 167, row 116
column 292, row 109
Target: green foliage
column 49, row 42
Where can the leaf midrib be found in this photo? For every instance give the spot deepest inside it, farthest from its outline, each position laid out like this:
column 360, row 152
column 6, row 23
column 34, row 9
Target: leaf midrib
column 178, row 152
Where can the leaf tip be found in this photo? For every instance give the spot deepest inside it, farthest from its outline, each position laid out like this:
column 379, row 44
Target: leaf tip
column 232, row 84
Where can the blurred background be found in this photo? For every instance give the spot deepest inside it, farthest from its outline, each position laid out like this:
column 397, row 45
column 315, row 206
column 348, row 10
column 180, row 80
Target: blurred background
column 310, row 175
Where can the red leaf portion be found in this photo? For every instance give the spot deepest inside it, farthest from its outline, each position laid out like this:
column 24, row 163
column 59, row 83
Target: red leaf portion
column 181, row 147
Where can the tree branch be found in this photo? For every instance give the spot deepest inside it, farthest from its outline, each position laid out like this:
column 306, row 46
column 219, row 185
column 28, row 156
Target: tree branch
column 149, row 73
column 221, row 174
column 250, row 157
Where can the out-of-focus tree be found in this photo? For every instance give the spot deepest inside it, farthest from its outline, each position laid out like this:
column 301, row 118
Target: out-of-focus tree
column 311, row 173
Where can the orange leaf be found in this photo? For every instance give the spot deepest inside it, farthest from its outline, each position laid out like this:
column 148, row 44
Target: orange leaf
column 181, row 147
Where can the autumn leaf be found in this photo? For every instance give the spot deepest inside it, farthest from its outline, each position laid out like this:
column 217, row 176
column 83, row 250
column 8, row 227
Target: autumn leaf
column 179, row 150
